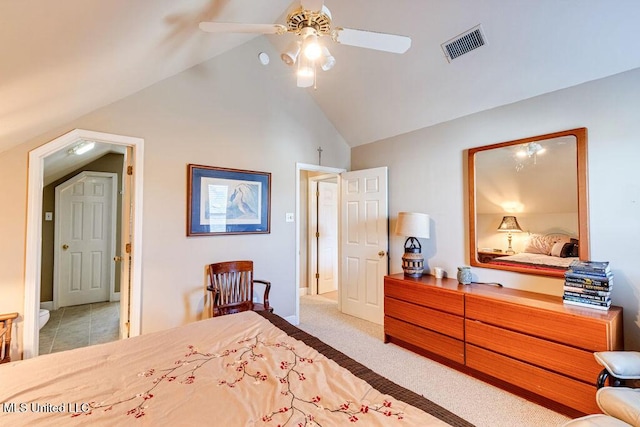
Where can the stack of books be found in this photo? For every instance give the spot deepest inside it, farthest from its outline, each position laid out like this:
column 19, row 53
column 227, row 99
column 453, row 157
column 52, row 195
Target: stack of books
column 588, row 284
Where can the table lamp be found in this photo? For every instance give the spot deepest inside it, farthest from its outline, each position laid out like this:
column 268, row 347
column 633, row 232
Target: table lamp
column 412, row 225
column 510, row 225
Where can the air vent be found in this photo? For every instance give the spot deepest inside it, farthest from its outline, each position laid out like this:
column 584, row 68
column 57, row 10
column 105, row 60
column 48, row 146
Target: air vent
column 464, row 43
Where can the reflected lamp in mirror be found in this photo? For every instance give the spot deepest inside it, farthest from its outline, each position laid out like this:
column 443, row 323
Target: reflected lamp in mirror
column 510, row 225
column 412, row 225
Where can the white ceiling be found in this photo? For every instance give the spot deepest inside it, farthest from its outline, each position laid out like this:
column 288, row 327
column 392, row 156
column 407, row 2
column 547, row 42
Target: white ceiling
column 62, row 59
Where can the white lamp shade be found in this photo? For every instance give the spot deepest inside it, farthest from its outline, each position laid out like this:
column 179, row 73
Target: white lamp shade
column 412, row 224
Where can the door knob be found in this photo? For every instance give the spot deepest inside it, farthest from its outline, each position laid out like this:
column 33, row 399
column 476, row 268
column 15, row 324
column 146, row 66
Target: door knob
column 117, row 258
column 381, row 254
column 65, row 247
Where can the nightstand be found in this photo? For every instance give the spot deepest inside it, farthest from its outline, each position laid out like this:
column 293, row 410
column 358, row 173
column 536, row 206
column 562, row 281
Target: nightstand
column 488, row 256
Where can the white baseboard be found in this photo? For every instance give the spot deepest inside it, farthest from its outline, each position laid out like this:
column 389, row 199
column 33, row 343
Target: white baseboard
column 294, row 320
column 304, row 291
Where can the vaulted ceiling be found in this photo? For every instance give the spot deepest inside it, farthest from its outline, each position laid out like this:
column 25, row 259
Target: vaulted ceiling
column 63, row 59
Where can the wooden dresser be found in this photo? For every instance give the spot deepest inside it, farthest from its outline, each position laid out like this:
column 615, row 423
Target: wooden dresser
column 528, row 343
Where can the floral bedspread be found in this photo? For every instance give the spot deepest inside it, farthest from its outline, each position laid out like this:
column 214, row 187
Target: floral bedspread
column 236, row 370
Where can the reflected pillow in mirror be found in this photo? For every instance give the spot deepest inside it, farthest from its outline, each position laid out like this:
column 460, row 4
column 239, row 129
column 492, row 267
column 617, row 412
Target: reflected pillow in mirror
column 543, row 244
column 556, row 249
column 569, row 250
column 538, row 244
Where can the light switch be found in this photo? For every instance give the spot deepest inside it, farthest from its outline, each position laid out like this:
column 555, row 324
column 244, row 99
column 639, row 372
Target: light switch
column 48, row 216
column 289, row 217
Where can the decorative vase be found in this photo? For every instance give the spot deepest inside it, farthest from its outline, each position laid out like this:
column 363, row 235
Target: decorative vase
column 464, row 275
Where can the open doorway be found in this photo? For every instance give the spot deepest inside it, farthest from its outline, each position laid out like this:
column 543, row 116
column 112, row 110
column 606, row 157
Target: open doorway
column 322, row 235
column 306, row 259
column 130, row 237
column 81, row 237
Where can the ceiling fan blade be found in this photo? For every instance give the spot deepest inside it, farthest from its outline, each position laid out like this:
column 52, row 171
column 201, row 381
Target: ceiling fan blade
column 233, row 27
column 312, row 5
column 372, row 40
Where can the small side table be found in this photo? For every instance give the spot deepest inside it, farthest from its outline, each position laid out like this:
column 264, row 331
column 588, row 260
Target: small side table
column 488, row 256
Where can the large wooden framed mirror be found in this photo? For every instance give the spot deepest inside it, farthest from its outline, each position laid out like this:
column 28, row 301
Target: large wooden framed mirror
column 528, row 208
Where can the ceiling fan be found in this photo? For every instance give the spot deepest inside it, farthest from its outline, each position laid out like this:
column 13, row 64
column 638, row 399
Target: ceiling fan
column 311, row 21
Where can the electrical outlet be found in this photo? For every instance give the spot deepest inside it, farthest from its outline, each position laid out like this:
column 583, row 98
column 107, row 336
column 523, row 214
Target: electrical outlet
column 289, row 217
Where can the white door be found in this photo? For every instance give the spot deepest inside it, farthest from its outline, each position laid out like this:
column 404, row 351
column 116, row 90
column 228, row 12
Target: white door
column 364, row 242
column 327, row 236
column 84, row 243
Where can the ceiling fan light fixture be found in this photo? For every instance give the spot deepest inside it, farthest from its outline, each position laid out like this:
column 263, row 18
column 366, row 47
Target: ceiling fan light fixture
column 306, row 73
column 313, row 50
column 311, row 47
column 290, row 55
column 306, row 77
column 327, row 61
column 310, row 21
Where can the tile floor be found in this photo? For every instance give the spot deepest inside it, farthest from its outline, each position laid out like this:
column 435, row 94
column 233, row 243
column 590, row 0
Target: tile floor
column 80, row 326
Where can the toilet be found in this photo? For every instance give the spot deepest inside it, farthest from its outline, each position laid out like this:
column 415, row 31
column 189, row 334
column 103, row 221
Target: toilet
column 43, row 318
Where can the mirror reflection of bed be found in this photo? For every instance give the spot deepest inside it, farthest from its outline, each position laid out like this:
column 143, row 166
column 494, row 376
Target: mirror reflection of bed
column 544, row 252
column 528, row 203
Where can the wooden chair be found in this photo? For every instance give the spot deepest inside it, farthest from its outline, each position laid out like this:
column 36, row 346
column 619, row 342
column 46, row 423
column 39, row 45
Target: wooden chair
column 231, row 286
column 6, row 320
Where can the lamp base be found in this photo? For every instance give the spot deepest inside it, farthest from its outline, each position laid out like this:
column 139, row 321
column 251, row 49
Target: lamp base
column 412, row 263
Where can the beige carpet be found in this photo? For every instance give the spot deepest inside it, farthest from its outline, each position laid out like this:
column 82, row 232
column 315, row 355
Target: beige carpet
column 467, row 397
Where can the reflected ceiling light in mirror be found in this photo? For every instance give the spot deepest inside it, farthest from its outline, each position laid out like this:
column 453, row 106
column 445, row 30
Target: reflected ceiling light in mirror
column 512, row 207
column 528, row 151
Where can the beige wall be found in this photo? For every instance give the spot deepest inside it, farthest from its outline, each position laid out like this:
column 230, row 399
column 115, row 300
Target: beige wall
column 229, row 112
column 427, row 173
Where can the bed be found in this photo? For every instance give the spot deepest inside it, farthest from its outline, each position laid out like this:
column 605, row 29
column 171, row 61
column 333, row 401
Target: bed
column 551, row 252
column 541, row 261
column 243, row 369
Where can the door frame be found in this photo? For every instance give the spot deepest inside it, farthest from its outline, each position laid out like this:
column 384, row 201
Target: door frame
column 33, row 254
column 112, row 235
column 312, row 240
column 295, row 319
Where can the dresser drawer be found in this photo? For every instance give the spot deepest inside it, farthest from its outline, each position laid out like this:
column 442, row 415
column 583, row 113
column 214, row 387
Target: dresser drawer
column 431, row 341
column 438, row 321
column 583, row 331
column 434, row 297
column 566, row 391
column 573, row 362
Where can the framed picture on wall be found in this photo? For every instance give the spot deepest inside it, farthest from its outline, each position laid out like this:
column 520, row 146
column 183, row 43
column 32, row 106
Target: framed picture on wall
column 227, row 201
